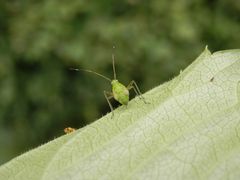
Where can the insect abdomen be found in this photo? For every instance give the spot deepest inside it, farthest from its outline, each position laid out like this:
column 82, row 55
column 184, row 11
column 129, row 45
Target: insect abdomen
column 120, row 92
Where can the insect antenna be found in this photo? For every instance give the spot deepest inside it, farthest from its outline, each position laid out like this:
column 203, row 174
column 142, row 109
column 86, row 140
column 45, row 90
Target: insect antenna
column 86, row 70
column 113, row 62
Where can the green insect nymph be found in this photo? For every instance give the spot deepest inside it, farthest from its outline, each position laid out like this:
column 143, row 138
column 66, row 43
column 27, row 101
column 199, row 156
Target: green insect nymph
column 119, row 92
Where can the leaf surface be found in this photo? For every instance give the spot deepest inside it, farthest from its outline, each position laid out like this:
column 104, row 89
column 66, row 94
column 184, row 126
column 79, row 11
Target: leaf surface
column 189, row 130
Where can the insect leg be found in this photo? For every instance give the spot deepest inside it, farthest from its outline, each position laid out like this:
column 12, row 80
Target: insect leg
column 108, row 96
column 133, row 85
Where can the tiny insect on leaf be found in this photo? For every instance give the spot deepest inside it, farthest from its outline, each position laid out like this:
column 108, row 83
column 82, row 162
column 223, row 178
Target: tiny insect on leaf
column 69, row 130
column 119, row 91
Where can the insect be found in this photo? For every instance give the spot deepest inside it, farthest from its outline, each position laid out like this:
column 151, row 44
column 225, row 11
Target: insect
column 119, row 92
column 69, row 130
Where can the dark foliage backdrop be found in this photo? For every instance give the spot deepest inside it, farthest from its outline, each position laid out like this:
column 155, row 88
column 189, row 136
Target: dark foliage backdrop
column 40, row 40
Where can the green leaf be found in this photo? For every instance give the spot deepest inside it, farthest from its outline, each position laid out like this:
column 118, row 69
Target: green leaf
column 190, row 130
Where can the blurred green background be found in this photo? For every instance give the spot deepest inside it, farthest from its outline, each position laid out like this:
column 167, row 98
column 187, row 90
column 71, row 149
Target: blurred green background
column 40, row 40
